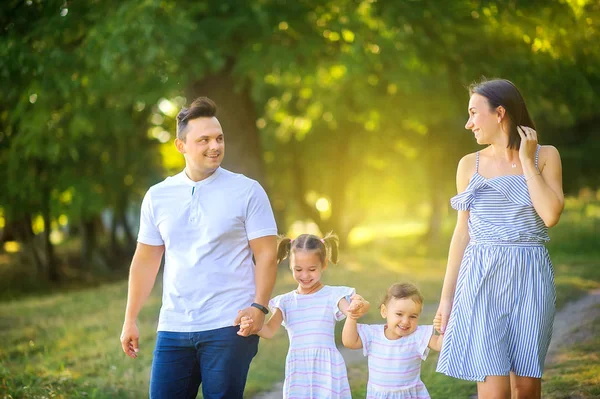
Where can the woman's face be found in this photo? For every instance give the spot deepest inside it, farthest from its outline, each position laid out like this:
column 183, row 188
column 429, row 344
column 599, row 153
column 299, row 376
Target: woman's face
column 483, row 121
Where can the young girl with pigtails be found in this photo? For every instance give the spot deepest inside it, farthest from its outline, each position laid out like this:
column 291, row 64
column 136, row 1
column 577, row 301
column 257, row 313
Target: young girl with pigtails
column 314, row 366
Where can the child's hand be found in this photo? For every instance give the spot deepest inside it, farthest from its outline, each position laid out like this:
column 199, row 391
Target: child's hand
column 358, row 307
column 437, row 323
column 245, row 325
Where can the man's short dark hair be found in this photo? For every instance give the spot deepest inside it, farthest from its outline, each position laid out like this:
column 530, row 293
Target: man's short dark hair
column 201, row 107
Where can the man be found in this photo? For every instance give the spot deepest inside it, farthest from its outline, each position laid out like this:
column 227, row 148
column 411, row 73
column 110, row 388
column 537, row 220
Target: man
column 208, row 222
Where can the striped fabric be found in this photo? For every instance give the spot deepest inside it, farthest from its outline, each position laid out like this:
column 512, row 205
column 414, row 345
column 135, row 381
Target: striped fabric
column 395, row 365
column 314, row 366
column 504, row 304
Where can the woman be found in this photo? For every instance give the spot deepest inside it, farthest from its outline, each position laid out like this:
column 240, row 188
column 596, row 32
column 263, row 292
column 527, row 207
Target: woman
column 498, row 300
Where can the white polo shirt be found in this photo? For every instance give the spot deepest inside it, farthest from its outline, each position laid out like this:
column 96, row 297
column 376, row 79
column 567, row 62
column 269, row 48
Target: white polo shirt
column 205, row 227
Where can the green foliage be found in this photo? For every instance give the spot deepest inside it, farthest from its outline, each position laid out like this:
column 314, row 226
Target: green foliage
column 359, row 103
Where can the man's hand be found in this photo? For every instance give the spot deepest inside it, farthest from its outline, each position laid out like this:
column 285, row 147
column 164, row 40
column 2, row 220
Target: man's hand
column 253, row 321
column 358, row 307
column 129, row 339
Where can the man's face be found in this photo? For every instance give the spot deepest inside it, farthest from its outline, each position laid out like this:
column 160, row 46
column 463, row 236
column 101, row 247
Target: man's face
column 204, row 145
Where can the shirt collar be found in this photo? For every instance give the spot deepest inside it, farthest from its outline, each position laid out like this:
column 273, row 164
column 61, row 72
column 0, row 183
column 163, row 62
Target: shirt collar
column 183, row 177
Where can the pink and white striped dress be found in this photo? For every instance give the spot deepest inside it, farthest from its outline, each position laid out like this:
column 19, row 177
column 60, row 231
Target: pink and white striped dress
column 395, row 365
column 314, row 367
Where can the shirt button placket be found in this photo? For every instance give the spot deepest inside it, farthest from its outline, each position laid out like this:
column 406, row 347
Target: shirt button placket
column 194, row 205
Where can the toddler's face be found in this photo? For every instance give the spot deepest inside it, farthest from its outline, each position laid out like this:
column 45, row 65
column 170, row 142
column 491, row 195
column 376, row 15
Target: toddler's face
column 402, row 316
column 306, row 268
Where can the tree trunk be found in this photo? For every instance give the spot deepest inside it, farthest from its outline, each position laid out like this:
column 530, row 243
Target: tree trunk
column 20, row 230
column 51, row 262
column 130, row 239
column 338, row 222
column 114, row 247
column 88, row 242
column 236, row 113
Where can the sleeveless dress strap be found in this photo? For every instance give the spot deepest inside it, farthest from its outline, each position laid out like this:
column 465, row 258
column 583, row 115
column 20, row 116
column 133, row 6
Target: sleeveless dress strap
column 537, row 156
column 477, row 162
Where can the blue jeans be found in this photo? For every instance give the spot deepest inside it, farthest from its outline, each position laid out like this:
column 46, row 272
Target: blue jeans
column 218, row 359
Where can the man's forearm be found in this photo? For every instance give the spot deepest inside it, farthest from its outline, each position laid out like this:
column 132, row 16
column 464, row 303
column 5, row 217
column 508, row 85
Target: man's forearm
column 265, row 275
column 142, row 276
column 140, row 285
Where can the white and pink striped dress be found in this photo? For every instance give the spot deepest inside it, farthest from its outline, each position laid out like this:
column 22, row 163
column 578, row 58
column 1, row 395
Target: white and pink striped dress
column 395, row 365
column 314, row 367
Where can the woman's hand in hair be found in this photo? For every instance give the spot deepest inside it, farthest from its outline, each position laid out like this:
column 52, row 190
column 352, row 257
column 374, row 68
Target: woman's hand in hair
column 529, row 144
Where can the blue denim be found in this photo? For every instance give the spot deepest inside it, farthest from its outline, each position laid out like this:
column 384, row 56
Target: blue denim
column 218, row 359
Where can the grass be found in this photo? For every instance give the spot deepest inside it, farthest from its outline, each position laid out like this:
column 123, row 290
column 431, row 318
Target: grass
column 66, row 345
column 576, row 374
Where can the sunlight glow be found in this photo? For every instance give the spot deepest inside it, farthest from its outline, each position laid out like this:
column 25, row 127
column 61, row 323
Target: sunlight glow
column 56, row 237
column 37, row 224
column 167, row 107
column 12, row 246
column 303, row 227
column 322, row 205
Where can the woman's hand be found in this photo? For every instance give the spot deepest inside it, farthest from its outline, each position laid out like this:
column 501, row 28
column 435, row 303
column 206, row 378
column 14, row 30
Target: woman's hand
column 529, row 144
column 442, row 316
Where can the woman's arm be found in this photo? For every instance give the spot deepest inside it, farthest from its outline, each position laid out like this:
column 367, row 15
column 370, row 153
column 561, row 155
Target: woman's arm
column 545, row 185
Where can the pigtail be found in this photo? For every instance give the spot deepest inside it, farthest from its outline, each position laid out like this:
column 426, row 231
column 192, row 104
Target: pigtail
column 332, row 243
column 283, row 248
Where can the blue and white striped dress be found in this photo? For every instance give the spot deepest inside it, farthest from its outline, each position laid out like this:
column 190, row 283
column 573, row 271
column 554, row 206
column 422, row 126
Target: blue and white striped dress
column 503, row 310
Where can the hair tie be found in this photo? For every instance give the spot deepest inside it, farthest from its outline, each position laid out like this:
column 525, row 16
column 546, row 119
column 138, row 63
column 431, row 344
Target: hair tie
column 322, row 240
column 291, row 242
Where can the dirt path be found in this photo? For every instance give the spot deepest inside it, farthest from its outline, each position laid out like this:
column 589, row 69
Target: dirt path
column 573, row 323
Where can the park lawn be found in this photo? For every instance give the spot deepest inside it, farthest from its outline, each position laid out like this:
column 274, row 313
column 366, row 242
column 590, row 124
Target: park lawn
column 67, row 345
column 576, row 373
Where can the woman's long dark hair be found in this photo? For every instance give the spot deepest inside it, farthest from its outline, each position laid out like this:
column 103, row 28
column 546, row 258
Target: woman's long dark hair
column 501, row 92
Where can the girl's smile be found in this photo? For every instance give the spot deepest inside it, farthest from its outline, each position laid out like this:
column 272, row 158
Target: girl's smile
column 306, row 269
column 402, row 317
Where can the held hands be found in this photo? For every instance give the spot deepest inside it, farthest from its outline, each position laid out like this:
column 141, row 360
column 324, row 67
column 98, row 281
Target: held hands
column 529, row 143
column 443, row 314
column 358, row 307
column 250, row 321
column 437, row 322
column 245, row 326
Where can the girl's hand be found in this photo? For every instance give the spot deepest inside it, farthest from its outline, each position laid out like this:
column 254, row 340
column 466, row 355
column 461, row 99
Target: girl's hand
column 443, row 313
column 437, row 322
column 358, row 307
column 245, row 326
column 529, row 144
